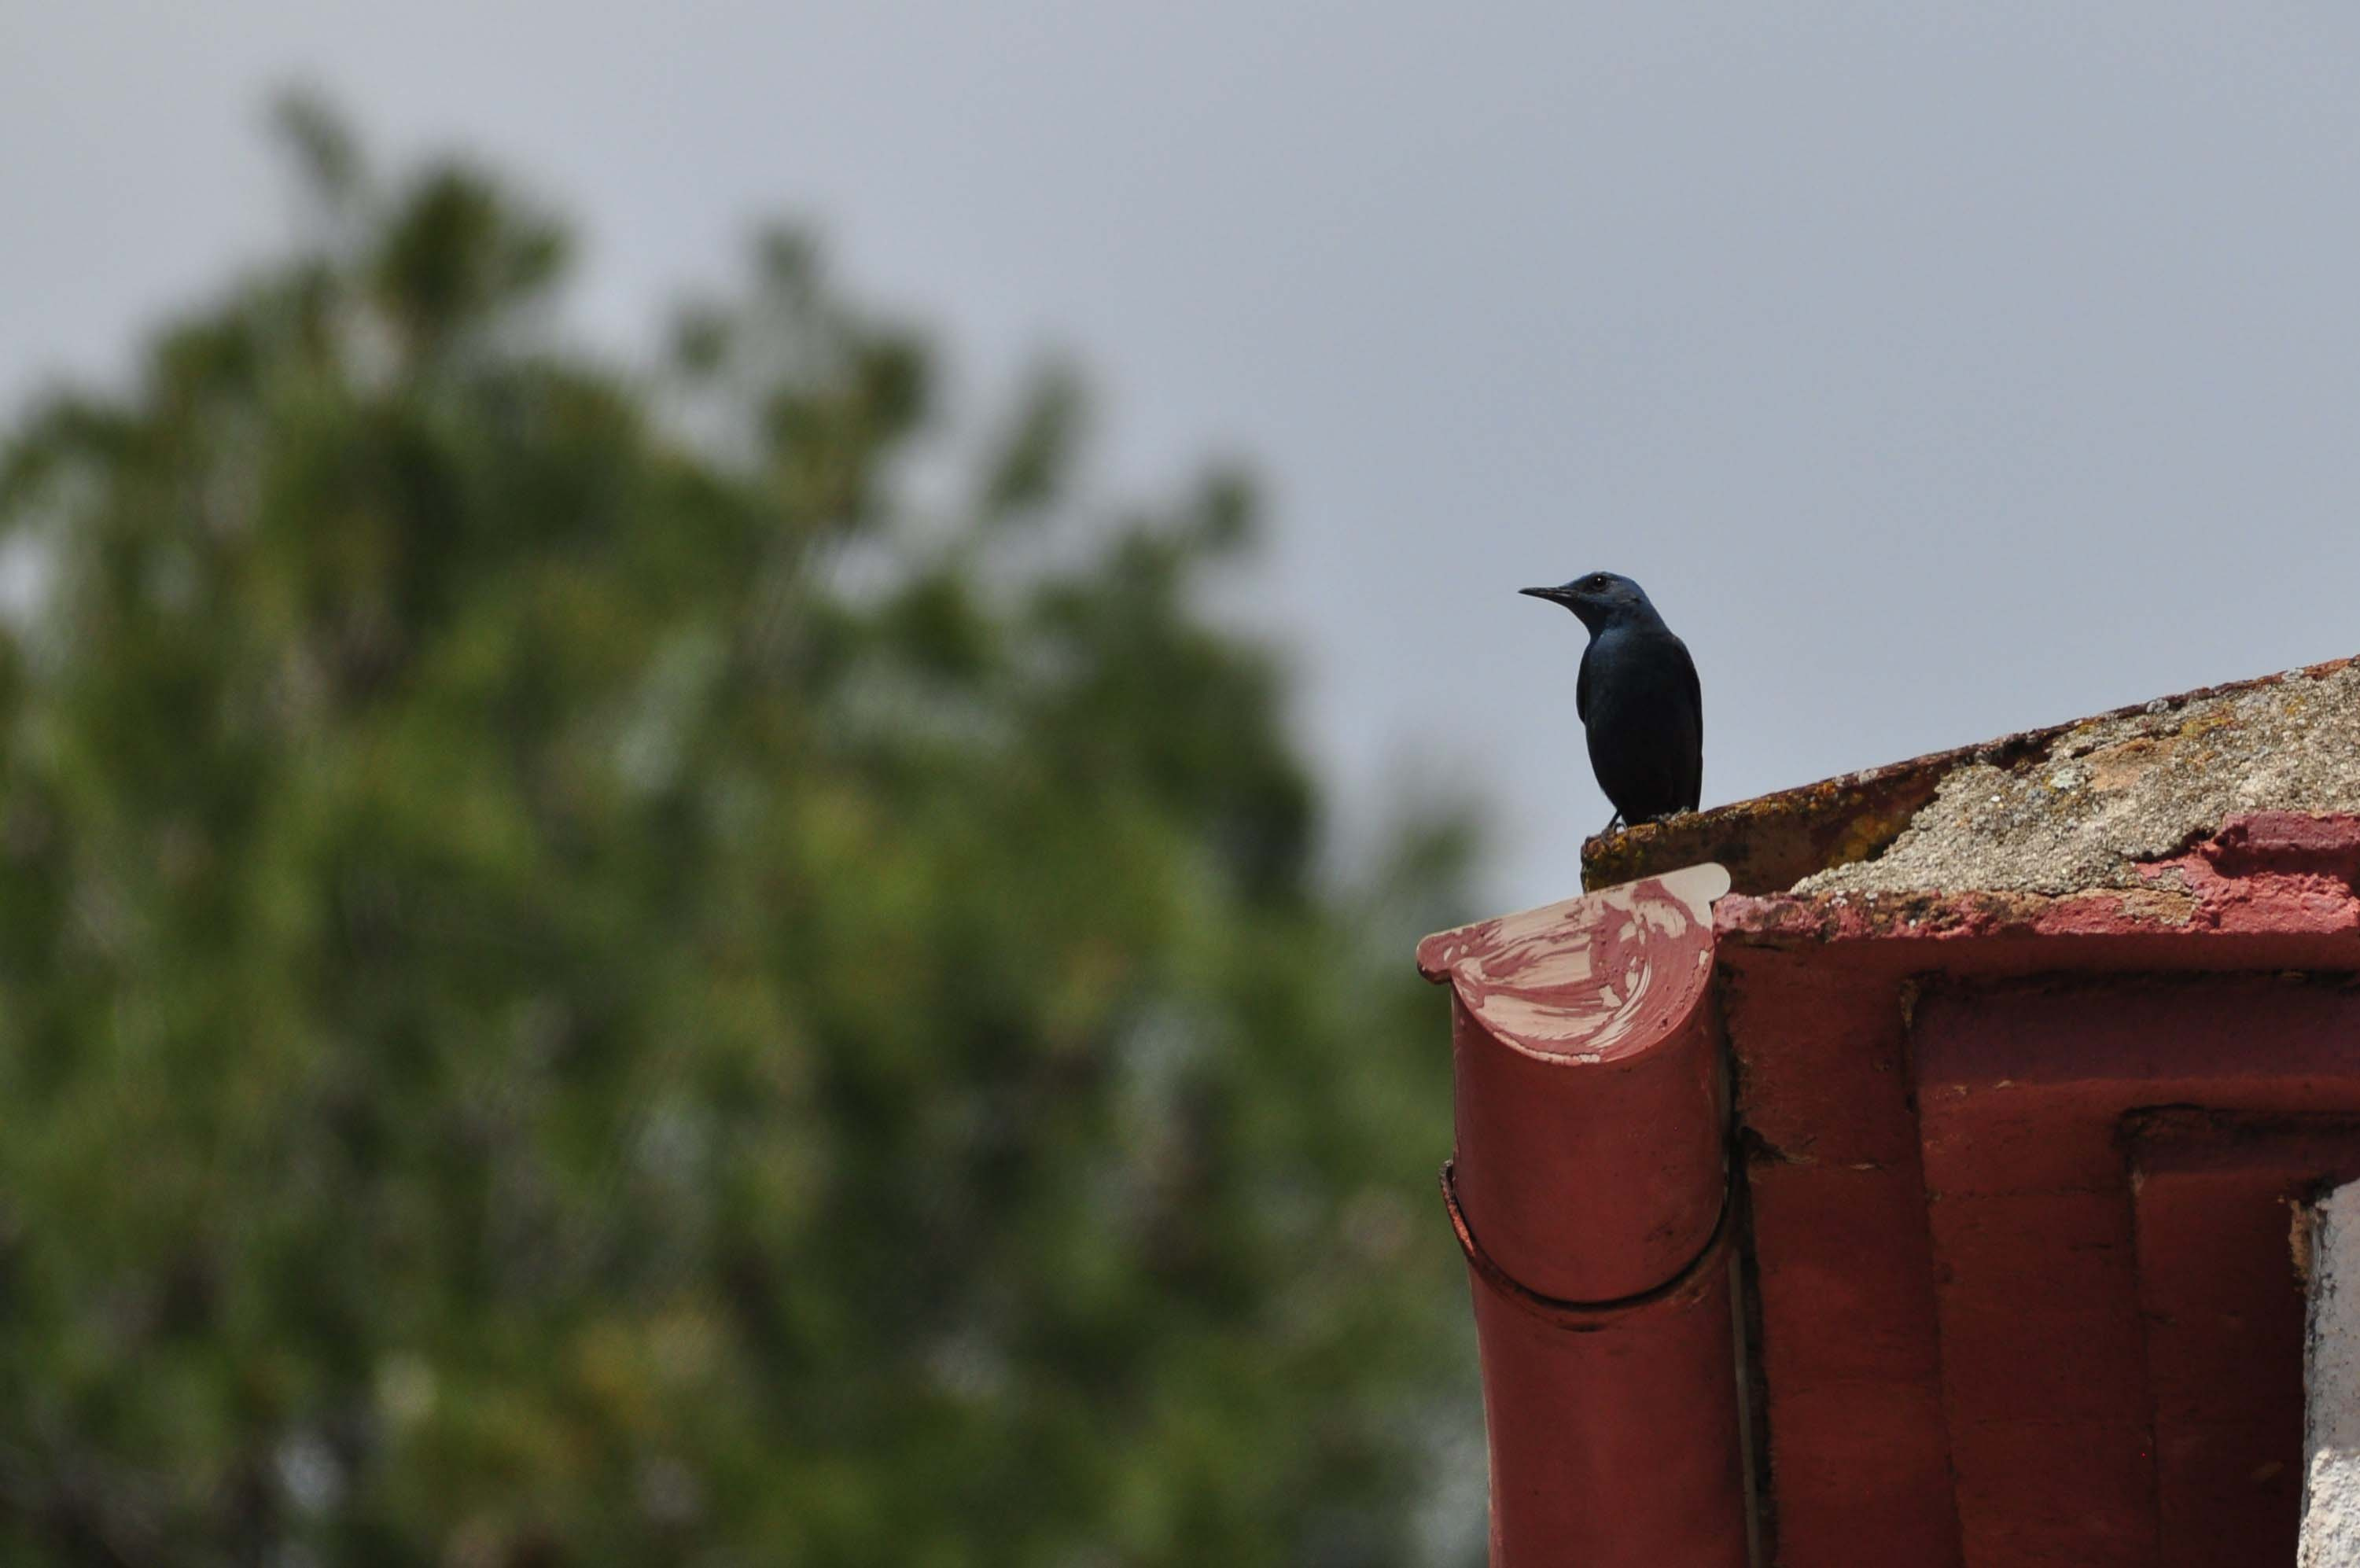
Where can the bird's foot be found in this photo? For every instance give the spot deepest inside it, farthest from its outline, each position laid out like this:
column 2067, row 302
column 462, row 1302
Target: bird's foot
column 1613, row 824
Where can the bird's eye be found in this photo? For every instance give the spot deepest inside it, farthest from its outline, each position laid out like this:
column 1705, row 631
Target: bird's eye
column 1596, row 582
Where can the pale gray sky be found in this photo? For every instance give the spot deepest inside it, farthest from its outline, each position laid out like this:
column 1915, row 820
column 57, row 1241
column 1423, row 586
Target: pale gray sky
column 1941, row 369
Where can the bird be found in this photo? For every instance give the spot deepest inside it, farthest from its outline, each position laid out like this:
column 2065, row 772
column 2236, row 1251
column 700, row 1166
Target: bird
column 1638, row 698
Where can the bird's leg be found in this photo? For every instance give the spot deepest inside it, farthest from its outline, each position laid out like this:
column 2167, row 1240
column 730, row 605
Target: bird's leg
column 1611, row 823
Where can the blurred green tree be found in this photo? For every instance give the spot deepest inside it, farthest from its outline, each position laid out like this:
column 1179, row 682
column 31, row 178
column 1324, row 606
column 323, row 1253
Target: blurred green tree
column 683, row 967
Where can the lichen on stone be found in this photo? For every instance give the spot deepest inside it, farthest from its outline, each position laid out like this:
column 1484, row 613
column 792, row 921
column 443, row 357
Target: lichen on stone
column 2114, row 794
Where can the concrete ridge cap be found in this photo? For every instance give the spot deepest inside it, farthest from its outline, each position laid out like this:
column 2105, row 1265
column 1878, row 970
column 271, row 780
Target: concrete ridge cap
column 1770, row 841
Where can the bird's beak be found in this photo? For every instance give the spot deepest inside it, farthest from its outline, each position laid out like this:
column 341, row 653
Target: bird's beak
column 1554, row 595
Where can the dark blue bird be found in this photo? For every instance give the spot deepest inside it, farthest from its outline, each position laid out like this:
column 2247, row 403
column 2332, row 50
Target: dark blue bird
column 1638, row 698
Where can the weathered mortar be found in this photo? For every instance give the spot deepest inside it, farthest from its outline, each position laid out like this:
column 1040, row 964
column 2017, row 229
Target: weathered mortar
column 2103, row 797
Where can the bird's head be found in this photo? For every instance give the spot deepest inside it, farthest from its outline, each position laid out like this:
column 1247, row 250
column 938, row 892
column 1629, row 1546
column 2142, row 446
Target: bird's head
column 1599, row 598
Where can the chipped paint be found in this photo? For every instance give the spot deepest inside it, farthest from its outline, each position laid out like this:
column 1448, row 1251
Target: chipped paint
column 2269, row 874
column 1587, row 972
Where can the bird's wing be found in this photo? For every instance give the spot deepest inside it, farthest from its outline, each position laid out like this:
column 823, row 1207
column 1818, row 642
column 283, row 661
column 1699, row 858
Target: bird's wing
column 1696, row 713
column 1696, row 687
column 1582, row 685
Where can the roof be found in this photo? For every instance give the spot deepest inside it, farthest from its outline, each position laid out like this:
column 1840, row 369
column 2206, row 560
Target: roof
column 2034, row 1042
